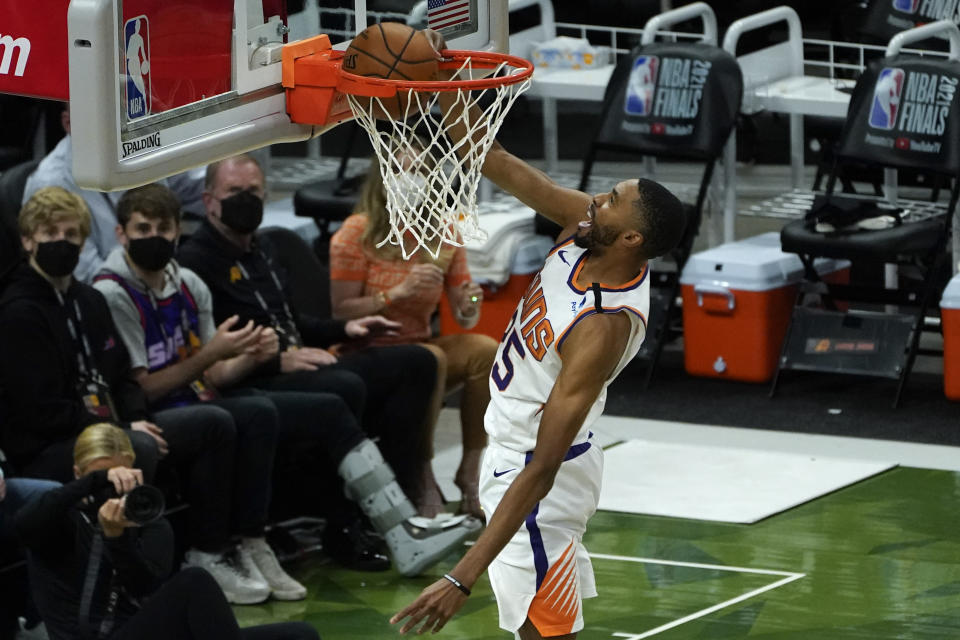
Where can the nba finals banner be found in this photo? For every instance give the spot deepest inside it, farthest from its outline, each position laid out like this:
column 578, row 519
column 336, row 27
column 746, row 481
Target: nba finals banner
column 672, row 98
column 905, row 109
column 886, row 18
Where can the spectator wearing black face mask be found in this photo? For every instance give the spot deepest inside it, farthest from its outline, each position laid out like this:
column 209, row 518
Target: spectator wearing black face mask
column 163, row 316
column 96, row 575
column 64, row 366
column 388, row 389
column 164, row 313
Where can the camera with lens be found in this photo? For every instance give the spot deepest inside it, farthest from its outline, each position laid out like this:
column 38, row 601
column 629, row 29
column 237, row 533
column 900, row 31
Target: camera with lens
column 143, row 504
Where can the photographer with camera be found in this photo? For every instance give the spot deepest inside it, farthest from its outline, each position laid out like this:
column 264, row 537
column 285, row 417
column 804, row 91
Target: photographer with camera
column 100, row 551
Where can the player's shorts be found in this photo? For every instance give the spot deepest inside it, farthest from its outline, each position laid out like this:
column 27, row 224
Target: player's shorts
column 544, row 572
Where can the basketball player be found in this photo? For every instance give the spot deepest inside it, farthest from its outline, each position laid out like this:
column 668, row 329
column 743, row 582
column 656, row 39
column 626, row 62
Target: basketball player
column 581, row 320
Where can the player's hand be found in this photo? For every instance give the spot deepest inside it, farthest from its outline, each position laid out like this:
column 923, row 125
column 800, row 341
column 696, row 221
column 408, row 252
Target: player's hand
column 371, row 326
column 111, row 518
column 3, row 488
column 436, row 605
column 436, row 41
column 155, row 432
column 305, row 359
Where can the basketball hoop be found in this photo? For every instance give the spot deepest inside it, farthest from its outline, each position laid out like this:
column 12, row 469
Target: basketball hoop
column 441, row 207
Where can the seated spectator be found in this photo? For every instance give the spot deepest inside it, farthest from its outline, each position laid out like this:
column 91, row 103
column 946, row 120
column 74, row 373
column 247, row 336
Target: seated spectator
column 165, row 316
column 56, row 170
column 95, row 574
column 64, row 366
column 178, row 358
column 14, row 494
column 388, row 388
column 79, row 374
column 365, row 279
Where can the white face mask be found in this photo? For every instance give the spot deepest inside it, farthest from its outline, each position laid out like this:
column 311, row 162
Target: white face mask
column 411, row 189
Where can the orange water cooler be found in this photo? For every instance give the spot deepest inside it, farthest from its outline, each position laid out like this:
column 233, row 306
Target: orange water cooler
column 737, row 302
column 950, row 324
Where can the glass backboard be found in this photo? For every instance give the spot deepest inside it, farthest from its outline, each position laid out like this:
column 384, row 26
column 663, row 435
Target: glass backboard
column 161, row 86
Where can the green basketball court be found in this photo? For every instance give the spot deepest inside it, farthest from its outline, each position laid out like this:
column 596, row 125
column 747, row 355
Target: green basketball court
column 878, row 560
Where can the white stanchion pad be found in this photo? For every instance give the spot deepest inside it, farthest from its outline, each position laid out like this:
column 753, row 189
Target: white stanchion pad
column 720, row 483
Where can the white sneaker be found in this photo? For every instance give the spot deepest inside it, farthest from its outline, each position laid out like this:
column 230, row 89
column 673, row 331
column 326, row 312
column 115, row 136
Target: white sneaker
column 256, row 552
column 239, row 585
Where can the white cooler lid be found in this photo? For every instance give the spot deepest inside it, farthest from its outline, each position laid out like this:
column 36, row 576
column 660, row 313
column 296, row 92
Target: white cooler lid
column 951, row 295
column 752, row 264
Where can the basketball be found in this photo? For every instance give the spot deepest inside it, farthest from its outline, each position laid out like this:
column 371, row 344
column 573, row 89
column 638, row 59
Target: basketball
column 393, row 51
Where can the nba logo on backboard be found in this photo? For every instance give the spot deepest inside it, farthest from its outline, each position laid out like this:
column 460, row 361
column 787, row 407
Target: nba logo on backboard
column 886, row 99
column 136, row 47
column 907, row 6
column 640, row 88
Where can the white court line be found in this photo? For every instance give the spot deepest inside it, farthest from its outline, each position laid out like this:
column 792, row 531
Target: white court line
column 788, row 577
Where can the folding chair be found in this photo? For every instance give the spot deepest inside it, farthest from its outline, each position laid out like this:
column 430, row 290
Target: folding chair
column 670, row 100
column 903, row 115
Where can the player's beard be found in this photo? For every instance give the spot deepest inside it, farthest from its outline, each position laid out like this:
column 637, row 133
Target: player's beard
column 597, row 238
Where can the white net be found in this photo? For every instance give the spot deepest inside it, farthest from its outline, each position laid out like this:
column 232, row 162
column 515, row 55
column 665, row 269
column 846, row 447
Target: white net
column 431, row 179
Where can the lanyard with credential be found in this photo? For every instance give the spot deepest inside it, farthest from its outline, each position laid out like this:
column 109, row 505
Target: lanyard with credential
column 291, row 331
column 92, row 386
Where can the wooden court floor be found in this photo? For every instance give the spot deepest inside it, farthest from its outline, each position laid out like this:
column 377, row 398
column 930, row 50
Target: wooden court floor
column 877, row 560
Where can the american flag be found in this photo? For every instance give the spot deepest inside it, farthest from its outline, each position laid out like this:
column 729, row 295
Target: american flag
column 447, row 13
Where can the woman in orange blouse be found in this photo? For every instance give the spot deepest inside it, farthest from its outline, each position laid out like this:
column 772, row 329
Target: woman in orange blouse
column 366, row 280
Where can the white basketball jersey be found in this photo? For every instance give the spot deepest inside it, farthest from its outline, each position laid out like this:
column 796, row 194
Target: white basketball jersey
column 528, row 360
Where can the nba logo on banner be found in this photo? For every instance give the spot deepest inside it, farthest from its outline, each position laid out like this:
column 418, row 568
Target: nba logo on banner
column 886, row 99
column 641, row 87
column 907, row 6
column 136, row 47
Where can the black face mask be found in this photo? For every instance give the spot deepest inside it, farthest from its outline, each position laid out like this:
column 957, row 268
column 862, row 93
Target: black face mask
column 242, row 212
column 150, row 254
column 57, row 258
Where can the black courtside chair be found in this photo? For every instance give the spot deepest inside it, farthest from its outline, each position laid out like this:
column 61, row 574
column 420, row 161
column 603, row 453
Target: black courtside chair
column 903, row 115
column 670, row 101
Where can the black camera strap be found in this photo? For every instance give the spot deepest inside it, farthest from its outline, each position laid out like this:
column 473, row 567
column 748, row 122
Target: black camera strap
column 90, row 586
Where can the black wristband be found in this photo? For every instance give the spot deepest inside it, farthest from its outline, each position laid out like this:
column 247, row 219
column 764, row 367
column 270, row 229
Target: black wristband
column 457, row 584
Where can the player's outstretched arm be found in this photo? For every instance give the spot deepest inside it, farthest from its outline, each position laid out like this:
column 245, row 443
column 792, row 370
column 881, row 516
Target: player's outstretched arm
column 534, row 188
column 528, row 184
column 590, row 354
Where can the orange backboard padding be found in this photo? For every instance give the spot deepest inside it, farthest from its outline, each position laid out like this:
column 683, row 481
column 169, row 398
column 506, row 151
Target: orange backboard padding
column 311, row 71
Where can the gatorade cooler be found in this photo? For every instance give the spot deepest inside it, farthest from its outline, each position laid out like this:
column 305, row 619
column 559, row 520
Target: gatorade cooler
column 950, row 323
column 737, row 302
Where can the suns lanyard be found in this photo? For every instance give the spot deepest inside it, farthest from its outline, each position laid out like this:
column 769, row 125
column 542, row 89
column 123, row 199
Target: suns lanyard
column 86, row 363
column 293, row 334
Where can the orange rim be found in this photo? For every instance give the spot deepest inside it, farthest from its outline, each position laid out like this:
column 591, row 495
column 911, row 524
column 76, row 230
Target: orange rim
column 453, row 59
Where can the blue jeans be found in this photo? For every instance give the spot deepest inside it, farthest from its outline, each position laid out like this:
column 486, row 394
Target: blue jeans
column 20, row 491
